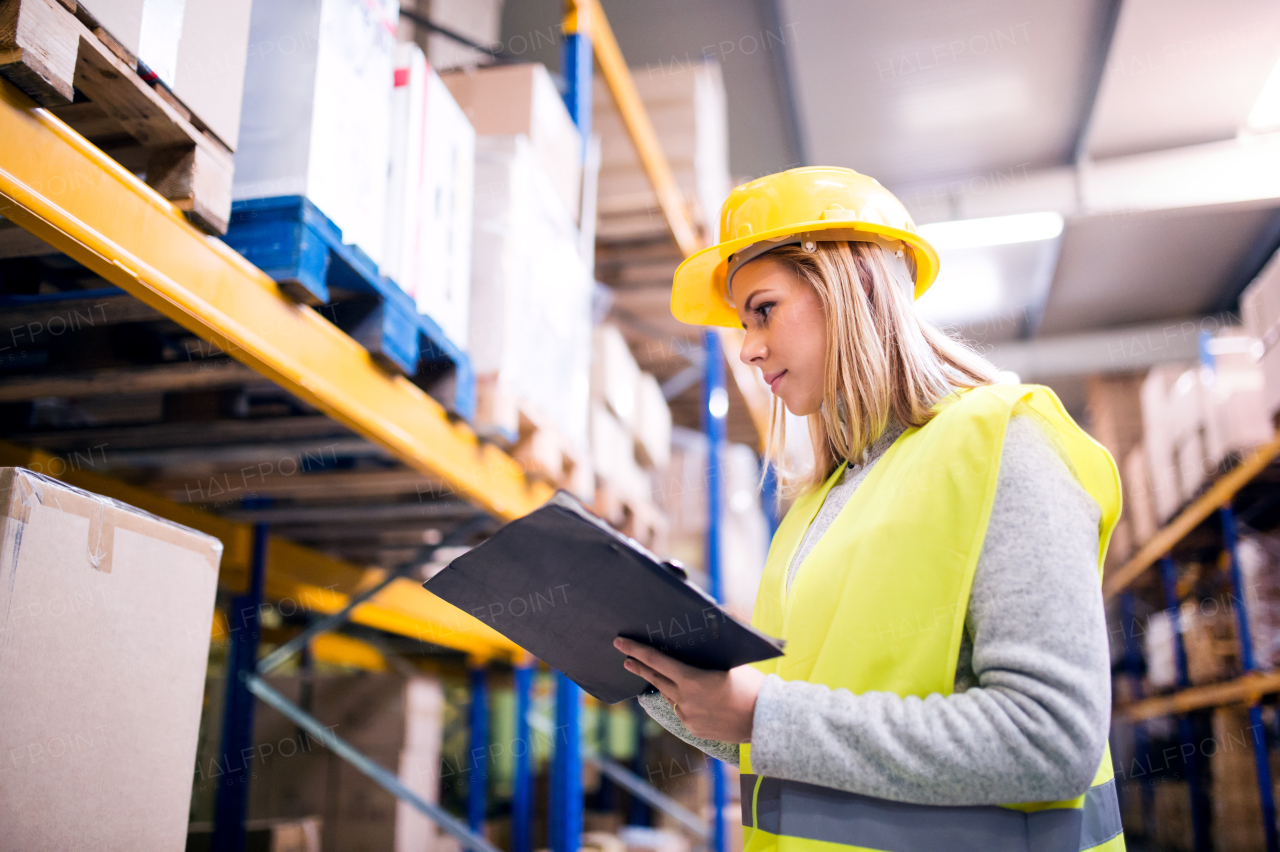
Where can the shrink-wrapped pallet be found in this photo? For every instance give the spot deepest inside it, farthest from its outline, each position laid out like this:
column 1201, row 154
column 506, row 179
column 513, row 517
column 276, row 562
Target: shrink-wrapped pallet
column 317, row 110
column 430, row 195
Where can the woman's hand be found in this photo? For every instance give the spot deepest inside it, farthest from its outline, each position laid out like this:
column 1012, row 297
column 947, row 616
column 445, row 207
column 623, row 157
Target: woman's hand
column 712, row 705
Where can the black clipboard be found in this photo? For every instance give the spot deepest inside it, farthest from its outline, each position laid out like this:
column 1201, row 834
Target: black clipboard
column 562, row 584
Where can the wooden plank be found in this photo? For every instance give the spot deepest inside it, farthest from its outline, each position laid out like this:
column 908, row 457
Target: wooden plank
column 1189, row 518
column 327, row 485
column 161, row 378
column 207, row 434
column 39, row 40
column 48, row 53
column 1243, row 690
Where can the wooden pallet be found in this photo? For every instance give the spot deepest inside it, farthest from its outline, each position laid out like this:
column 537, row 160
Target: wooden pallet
column 635, row 516
column 56, row 53
column 532, row 438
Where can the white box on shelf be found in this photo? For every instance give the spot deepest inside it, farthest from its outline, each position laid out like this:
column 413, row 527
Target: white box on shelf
column 196, row 47
column 613, row 456
column 530, row 322
column 430, row 193
column 653, row 421
column 615, row 376
column 1236, row 415
column 317, row 110
column 505, row 100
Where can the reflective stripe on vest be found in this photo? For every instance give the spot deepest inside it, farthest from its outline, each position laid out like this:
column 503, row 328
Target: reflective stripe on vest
column 810, row 812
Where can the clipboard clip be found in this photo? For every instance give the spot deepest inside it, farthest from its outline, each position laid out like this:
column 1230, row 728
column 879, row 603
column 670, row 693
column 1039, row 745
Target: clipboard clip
column 675, row 566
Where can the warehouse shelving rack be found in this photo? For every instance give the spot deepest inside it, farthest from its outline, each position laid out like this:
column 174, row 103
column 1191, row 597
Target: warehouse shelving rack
column 72, row 196
column 1248, row 689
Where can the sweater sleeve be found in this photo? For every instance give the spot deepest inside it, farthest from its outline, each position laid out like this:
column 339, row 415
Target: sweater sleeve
column 1034, row 726
column 662, row 713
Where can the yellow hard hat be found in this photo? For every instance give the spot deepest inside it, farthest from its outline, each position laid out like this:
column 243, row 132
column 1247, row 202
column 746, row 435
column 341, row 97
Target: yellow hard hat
column 787, row 208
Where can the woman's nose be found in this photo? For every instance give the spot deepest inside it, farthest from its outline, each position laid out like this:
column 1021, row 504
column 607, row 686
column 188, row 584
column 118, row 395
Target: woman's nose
column 753, row 349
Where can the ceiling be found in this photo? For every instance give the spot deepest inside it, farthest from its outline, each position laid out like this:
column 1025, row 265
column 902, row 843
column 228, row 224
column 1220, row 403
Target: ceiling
column 958, row 105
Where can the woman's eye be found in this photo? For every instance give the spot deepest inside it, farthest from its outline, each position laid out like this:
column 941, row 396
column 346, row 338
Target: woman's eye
column 763, row 310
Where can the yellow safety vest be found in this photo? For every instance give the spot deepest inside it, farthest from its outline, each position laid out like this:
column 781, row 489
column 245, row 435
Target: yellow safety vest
column 879, row 605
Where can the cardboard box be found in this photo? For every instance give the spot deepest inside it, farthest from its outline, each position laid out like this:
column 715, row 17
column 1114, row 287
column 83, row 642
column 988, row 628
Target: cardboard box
column 615, row 376
column 317, row 110
column 653, row 423
column 530, row 322
column 1237, row 418
column 196, row 47
column 505, row 100
column 398, row 722
column 108, row 613
column 430, row 195
column 613, row 456
column 686, row 104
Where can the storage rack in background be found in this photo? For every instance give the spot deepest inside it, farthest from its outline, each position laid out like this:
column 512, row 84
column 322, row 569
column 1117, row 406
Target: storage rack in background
column 63, row 189
column 1248, row 689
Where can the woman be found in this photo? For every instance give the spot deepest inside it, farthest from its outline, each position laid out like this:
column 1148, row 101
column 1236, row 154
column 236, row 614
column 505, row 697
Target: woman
column 946, row 681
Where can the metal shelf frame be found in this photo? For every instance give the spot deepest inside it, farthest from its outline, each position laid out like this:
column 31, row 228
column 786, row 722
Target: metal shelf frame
column 66, row 191
column 1248, row 689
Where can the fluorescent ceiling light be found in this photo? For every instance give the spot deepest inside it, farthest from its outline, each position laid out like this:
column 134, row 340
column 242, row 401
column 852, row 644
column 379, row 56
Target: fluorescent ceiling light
column 1266, row 110
column 996, row 231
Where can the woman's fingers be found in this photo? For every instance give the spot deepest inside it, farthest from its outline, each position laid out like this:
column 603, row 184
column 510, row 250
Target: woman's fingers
column 661, row 682
column 653, row 658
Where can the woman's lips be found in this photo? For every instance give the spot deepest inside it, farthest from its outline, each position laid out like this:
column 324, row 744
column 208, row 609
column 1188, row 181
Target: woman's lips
column 773, row 380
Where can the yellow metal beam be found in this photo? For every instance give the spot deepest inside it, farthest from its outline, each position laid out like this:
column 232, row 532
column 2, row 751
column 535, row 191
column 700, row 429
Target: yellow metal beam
column 297, row 577
column 1243, row 690
column 1189, row 518
column 618, row 76
column 66, row 191
column 636, row 119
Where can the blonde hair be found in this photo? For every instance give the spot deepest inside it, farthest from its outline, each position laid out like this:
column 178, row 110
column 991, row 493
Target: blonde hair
column 883, row 359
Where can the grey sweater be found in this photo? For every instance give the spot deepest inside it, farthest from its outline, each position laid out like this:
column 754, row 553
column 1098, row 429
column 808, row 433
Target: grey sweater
column 1029, row 716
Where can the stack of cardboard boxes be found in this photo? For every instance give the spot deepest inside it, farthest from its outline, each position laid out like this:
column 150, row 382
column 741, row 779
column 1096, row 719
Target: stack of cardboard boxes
column 1172, row 428
column 530, row 327
column 195, row 48
column 630, row 437
column 686, row 104
column 744, row 530
column 317, row 111
column 396, row 721
column 1260, row 309
column 430, row 190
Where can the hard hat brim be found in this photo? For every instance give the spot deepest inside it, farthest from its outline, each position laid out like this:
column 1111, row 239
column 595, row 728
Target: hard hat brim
column 699, row 295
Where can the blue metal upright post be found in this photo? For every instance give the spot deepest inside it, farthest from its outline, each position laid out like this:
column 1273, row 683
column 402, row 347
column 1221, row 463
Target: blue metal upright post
column 576, row 68
column 1186, row 732
column 1250, row 663
column 1141, row 740
column 478, row 757
column 566, row 768
column 565, row 816
column 232, row 804
column 522, row 750
column 715, row 408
